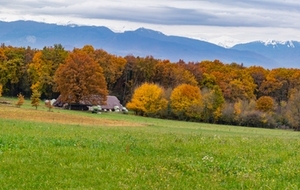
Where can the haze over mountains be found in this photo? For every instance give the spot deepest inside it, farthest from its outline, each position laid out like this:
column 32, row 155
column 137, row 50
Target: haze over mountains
column 143, row 42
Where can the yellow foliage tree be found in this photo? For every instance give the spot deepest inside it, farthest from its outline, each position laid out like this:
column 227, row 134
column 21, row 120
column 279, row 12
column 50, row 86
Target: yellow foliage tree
column 43, row 66
column 35, row 70
column 147, row 99
column 186, row 101
column 35, row 98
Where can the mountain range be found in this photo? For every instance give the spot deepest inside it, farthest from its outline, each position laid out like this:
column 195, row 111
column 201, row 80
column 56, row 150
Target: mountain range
column 144, row 42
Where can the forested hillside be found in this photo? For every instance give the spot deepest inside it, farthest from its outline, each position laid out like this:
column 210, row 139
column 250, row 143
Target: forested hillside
column 206, row 91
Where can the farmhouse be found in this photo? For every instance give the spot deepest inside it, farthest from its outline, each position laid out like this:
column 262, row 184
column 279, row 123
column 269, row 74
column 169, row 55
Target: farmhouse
column 112, row 103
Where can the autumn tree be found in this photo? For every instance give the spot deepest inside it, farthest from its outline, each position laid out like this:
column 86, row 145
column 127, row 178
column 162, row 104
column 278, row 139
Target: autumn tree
column 137, row 71
column 208, row 81
column 265, row 104
column 20, row 101
column 193, row 68
column 259, row 75
column 3, row 69
column 278, row 84
column 186, row 101
column 1, row 88
column 233, row 79
column 12, row 68
column 129, row 79
column 170, row 75
column 293, row 110
column 212, row 105
column 242, row 89
column 294, row 80
column 35, row 98
column 36, row 71
column 148, row 99
column 43, row 67
column 80, row 78
column 113, row 66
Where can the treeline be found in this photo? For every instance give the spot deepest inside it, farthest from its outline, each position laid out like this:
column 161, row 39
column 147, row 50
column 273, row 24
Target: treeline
column 229, row 93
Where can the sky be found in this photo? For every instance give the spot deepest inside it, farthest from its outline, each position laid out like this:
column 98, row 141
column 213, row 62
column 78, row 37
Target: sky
column 223, row 22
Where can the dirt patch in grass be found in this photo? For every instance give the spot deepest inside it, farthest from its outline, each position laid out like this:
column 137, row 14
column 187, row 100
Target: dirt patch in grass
column 57, row 117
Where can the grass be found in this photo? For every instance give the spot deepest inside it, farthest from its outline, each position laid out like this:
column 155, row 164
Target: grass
column 78, row 150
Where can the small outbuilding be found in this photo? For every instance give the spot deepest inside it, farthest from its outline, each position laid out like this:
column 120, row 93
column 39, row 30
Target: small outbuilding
column 112, row 104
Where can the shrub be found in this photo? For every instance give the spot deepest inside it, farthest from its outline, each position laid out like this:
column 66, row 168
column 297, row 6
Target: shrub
column 256, row 119
column 20, row 100
column 228, row 115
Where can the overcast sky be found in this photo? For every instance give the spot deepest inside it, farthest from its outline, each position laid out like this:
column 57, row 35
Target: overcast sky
column 224, row 21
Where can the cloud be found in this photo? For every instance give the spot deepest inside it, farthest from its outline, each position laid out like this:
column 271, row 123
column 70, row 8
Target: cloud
column 240, row 15
column 212, row 13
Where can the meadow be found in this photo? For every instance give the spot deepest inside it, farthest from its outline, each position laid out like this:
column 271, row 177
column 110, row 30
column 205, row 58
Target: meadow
column 66, row 149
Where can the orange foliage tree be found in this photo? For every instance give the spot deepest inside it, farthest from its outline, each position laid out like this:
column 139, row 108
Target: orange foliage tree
column 148, row 99
column 233, row 79
column 259, row 75
column 80, row 78
column 170, row 75
column 186, row 101
column 265, row 104
column 20, row 101
column 113, row 66
column 279, row 82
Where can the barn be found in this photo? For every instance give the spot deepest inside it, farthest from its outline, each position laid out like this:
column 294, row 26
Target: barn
column 112, row 103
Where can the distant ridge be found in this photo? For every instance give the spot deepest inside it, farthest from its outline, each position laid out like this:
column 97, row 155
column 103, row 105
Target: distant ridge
column 144, row 42
column 285, row 52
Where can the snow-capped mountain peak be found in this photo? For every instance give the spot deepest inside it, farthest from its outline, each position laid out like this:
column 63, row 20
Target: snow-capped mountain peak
column 276, row 43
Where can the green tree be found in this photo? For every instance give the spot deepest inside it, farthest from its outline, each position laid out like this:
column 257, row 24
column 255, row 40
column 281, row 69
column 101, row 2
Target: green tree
column 208, row 81
column 80, row 78
column 148, row 99
column 212, row 105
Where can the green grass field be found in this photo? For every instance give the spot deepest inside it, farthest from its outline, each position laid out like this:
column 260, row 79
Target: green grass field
column 78, row 150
